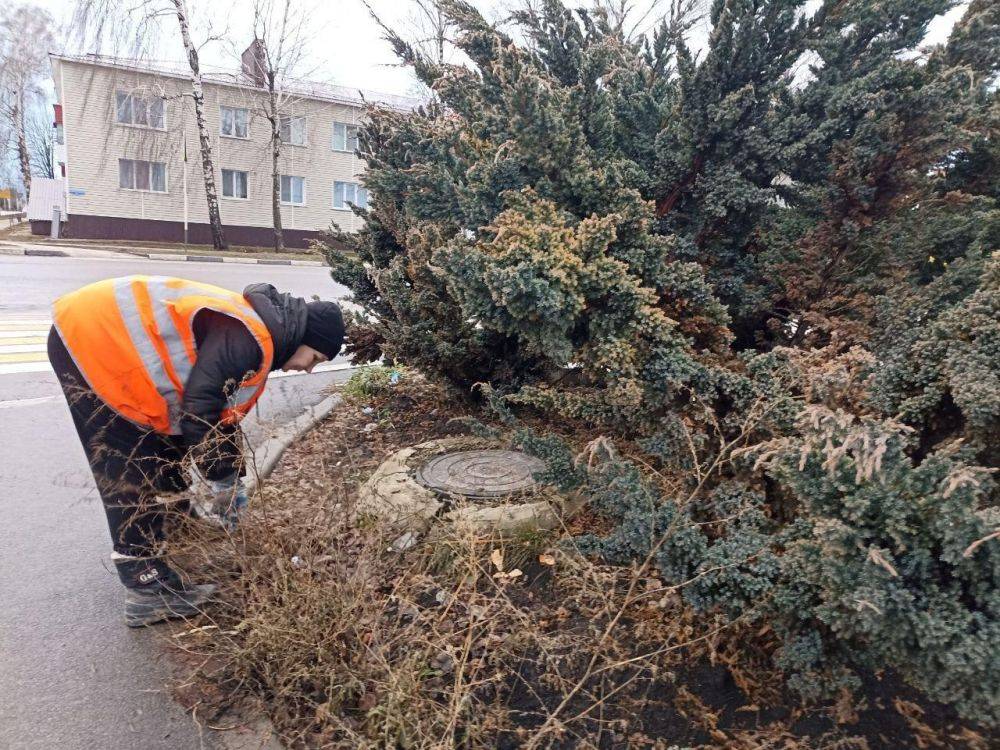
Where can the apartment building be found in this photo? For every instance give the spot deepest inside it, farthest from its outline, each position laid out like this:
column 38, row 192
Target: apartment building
column 129, row 152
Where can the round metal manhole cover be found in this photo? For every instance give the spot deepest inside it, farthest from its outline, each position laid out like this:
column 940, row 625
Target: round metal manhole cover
column 481, row 474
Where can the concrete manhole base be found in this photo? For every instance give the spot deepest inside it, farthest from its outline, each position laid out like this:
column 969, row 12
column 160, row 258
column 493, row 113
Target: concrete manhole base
column 462, row 481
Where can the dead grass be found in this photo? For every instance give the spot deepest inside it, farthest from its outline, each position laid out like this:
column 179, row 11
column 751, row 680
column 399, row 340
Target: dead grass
column 472, row 641
column 19, row 231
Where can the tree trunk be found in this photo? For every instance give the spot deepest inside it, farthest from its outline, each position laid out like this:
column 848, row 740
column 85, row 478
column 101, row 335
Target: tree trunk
column 275, row 119
column 666, row 204
column 198, row 94
column 441, row 23
column 23, row 155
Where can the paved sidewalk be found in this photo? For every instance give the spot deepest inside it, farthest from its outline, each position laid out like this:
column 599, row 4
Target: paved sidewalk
column 8, row 247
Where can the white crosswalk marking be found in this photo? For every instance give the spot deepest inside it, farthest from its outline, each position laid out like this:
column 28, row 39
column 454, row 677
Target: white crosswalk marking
column 17, row 334
column 22, row 345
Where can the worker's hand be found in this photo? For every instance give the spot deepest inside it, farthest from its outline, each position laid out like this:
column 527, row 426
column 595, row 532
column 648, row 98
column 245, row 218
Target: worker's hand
column 229, row 500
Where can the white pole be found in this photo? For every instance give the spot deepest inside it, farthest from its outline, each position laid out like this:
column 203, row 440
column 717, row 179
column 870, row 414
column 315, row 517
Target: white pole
column 185, row 185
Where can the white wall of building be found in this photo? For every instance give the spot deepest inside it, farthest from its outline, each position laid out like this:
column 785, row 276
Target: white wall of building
column 94, row 142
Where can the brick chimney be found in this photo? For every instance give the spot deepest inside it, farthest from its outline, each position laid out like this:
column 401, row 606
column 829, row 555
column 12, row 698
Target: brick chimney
column 254, row 60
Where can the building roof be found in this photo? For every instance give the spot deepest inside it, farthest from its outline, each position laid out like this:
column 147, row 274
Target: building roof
column 303, row 88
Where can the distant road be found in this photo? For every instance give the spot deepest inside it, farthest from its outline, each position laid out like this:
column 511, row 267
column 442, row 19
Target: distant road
column 28, row 285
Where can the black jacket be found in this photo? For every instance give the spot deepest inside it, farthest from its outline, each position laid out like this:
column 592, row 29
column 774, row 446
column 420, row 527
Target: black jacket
column 227, row 352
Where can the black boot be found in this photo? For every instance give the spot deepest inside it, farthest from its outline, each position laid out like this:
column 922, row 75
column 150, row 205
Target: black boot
column 154, row 592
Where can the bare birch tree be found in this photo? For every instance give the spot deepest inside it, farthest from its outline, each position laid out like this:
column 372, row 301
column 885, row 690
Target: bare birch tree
column 41, row 139
column 428, row 29
column 632, row 18
column 136, row 23
column 277, row 54
column 9, row 170
column 198, row 96
column 25, row 40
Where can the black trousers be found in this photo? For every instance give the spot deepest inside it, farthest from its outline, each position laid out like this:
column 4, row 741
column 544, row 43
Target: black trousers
column 130, row 464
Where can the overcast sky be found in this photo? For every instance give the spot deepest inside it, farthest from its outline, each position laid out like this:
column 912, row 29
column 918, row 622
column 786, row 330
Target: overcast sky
column 346, row 46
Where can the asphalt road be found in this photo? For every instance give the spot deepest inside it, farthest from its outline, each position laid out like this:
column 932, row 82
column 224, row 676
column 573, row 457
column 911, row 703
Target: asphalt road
column 71, row 674
column 29, row 284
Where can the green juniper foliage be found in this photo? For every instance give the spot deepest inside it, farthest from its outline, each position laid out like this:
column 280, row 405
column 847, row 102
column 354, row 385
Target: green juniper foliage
column 772, row 264
column 877, row 568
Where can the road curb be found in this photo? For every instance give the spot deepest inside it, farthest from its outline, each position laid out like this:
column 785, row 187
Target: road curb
column 36, row 252
column 268, row 453
column 229, row 259
column 12, row 249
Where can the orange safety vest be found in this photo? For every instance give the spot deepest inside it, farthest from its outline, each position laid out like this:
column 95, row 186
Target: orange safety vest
column 133, row 340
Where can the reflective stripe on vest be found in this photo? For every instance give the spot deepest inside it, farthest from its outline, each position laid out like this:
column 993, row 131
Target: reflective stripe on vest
column 150, row 344
column 156, row 366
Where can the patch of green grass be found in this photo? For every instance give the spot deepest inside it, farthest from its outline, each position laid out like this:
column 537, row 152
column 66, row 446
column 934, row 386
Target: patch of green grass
column 373, row 381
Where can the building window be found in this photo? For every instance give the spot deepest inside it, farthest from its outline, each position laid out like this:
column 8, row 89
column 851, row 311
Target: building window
column 234, row 183
column 234, row 121
column 131, row 109
column 293, row 190
column 345, row 137
column 135, row 174
column 349, row 192
column 293, row 130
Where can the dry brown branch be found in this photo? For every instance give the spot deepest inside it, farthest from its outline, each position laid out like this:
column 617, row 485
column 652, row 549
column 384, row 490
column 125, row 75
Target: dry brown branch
column 757, row 412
